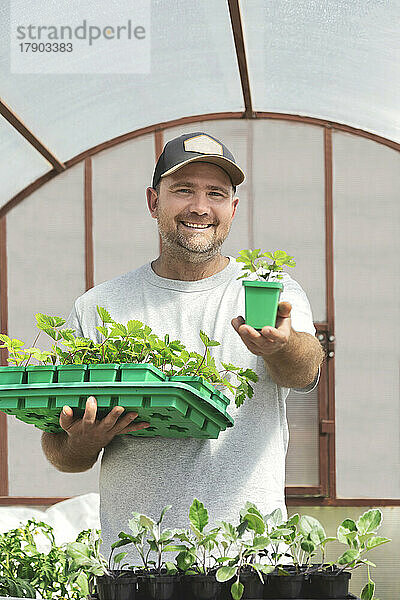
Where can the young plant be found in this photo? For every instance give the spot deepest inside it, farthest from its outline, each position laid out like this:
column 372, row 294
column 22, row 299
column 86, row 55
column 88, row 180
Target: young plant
column 197, row 557
column 132, row 343
column 161, row 541
column 247, row 547
column 85, row 562
column 360, row 538
column 26, row 571
column 265, row 270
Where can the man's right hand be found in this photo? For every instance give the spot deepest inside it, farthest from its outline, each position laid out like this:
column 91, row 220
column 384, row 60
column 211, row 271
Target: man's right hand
column 93, row 435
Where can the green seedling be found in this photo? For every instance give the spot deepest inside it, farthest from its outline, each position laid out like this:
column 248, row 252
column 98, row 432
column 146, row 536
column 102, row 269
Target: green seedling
column 254, row 262
column 360, row 538
column 131, row 343
column 85, row 561
column 248, row 539
column 197, row 556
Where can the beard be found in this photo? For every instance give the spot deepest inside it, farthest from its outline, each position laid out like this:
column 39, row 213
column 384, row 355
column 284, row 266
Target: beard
column 193, row 247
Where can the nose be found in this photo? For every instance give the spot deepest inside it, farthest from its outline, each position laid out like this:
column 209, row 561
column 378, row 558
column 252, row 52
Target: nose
column 199, row 203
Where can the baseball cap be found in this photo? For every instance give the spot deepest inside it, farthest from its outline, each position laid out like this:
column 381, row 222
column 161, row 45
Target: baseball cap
column 196, row 147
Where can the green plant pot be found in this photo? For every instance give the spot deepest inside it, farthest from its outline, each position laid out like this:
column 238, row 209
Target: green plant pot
column 141, row 372
column 13, row 375
column 41, row 373
column 261, row 301
column 102, row 373
column 71, row 373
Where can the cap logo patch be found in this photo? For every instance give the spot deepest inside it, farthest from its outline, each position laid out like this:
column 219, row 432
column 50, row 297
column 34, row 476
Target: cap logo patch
column 203, row 144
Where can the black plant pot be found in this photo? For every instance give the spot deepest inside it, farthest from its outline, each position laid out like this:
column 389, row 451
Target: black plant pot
column 158, row 587
column 253, row 586
column 121, row 586
column 201, row 587
column 286, row 586
column 329, row 584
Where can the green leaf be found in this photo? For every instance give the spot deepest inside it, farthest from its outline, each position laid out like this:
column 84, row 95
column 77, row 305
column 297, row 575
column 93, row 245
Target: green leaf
column 104, row 315
column 349, row 524
column 369, row 521
column 347, row 557
column 255, row 523
column 198, row 515
column 237, row 590
column 146, row 522
column 185, row 559
column 367, row 593
column 225, row 573
column 118, row 557
column 377, row 541
column 82, row 582
column 310, row 525
column 164, row 510
column 261, row 542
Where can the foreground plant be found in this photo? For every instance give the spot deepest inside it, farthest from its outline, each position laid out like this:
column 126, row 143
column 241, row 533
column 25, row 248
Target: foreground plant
column 85, row 562
column 254, row 262
column 197, row 557
column 131, row 343
column 360, row 538
column 26, row 571
column 247, row 548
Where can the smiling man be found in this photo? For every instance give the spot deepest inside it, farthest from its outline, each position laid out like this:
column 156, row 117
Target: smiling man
column 190, row 287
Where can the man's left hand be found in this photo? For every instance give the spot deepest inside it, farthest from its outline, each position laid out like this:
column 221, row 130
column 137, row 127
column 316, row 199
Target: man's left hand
column 270, row 339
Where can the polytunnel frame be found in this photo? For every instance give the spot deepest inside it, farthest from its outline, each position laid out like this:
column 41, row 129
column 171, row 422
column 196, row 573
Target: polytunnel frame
column 325, row 493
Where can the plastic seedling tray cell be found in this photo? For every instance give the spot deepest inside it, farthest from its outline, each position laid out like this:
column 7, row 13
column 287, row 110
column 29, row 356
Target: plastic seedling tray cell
column 11, row 375
column 71, row 373
column 41, row 373
column 141, row 372
column 103, row 372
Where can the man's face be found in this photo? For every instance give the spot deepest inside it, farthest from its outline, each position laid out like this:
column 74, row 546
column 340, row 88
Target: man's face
column 197, row 194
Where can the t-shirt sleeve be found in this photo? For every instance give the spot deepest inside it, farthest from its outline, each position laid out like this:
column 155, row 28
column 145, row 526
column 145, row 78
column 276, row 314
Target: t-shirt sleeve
column 73, row 322
column 301, row 317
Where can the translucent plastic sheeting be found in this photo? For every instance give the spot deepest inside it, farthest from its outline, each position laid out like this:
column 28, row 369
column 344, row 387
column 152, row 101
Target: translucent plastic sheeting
column 125, row 235
column 302, row 461
column 333, row 60
column 366, row 252
column 68, row 518
column 20, row 163
column 289, row 201
column 193, row 71
column 46, row 262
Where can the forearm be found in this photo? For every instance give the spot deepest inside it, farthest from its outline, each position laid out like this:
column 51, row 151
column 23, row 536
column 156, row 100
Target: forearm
column 296, row 365
column 63, row 457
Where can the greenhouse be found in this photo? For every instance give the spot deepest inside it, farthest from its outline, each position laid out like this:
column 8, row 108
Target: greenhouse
column 306, row 97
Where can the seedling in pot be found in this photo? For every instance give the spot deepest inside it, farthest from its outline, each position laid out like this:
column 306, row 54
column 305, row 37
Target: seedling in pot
column 360, row 538
column 262, row 293
column 86, row 561
column 160, row 541
column 132, row 343
column 248, row 547
column 265, row 270
column 196, row 557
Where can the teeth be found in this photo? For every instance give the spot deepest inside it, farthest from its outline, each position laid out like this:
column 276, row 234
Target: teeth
column 195, row 225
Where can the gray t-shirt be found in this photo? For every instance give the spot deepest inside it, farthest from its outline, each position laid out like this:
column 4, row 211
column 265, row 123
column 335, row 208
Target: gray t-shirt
column 247, row 461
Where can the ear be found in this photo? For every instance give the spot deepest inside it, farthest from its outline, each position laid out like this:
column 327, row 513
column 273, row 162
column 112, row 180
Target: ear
column 152, row 200
column 234, row 206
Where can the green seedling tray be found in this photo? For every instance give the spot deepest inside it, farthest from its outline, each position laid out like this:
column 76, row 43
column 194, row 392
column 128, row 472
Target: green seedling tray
column 173, row 409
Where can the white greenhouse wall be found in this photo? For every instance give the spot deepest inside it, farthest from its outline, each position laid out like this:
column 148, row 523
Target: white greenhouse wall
column 366, row 194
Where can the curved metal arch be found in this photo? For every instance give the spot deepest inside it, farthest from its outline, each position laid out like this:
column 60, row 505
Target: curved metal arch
column 32, row 187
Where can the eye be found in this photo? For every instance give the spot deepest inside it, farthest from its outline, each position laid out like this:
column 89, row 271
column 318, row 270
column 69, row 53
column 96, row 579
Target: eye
column 183, row 190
